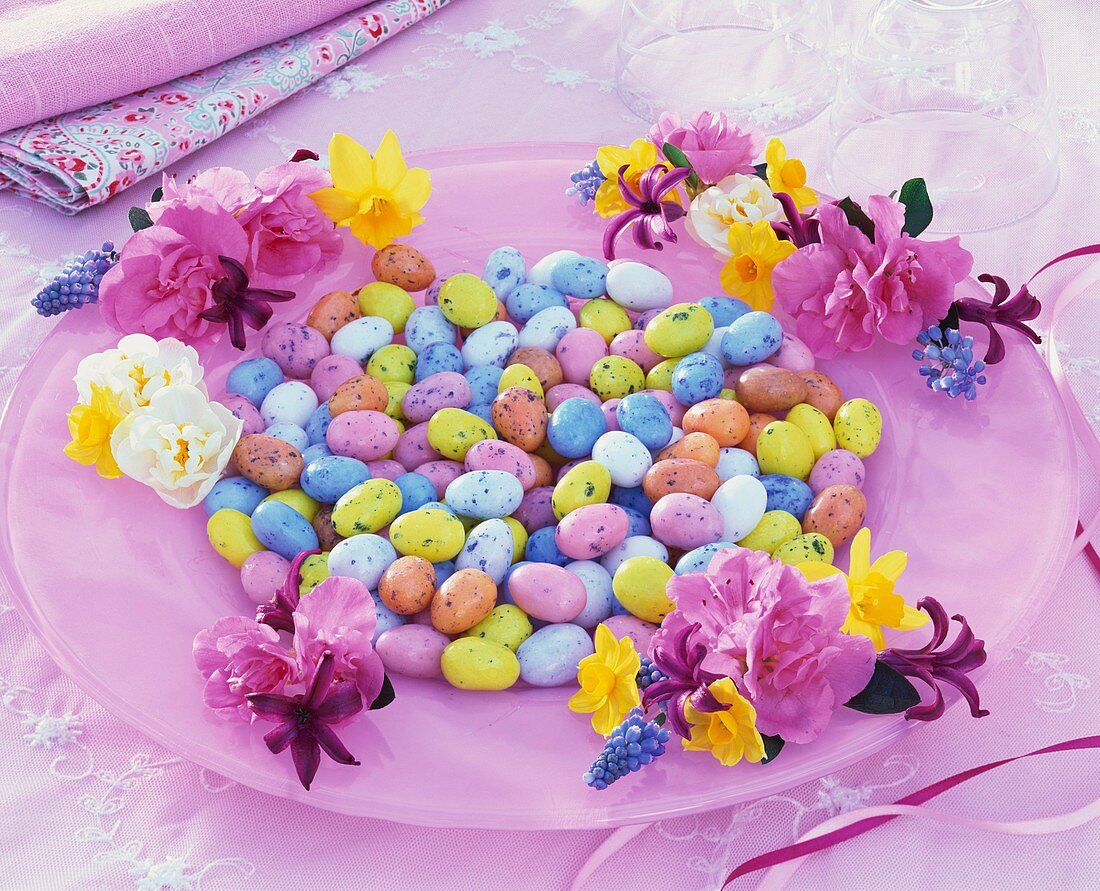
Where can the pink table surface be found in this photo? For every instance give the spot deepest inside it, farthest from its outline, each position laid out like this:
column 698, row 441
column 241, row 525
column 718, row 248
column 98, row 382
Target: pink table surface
column 89, row 803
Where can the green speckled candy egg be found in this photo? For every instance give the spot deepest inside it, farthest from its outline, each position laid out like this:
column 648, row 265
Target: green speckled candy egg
column 812, row 547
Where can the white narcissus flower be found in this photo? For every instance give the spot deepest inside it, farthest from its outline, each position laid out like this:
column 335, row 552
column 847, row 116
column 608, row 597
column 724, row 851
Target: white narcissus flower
column 137, row 368
column 179, row 444
column 736, row 199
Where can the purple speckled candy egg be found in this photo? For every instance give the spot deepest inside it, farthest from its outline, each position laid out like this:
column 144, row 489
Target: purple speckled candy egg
column 330, row 372
column 556, row 395
column 609, row 416
column 639, row 631
column 548, row 592
column 246, row 411
column 441, row 474
column 444, row 389
column 838, row 467
column 631, row 345
column 591, row 531
column 413, row 650
column 385, row 469
column 296, row 349
column 793, row 355
column 685, row 521
column 493, row 454
column 577, row 352
column 365, row 435
column 535, row 511
column 645, row 318
column 262, row 574
column 413, row 448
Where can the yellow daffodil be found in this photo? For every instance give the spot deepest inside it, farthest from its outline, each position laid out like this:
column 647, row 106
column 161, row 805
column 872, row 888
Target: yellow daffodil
column 729, row 735
column 379, row 197
column 871, row 587
column 609, row 682
column 755, row 250
column 788, row 174
column 639, row 157
column 91, row 427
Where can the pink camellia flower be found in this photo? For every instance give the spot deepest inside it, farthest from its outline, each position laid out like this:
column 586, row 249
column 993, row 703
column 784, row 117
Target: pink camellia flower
column 777, row 636
column 166, row 272
column 715, row 147
column 229, row 187
column 848, row 290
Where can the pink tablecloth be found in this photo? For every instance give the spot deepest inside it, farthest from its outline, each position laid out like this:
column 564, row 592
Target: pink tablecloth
column 88, row 803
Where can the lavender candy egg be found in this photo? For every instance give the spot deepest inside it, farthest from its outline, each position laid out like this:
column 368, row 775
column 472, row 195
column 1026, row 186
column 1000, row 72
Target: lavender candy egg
column 246, row 412
column 591, row 531
column 505, row 270
column 549, row 657
column 362, row 338
column 838, row 467
column 413, row 651
column 296, row 349
column 447, row 389
column 793, row 355
column 332, row 371
column 262, row 574
column 484, row 494
column 736, row 462
column 685, row 521
column 638, row 630
column 254, row 379
column 413, row 448
column 291, row 402
column 547, row 592
column 362, row 557
column 546, row 328
column 494, row 454
column 490, row 344
column 488, row 548
column 597, row 582
column 536, row 510
column 291, row 433
column 633, row 546
column 364, row 435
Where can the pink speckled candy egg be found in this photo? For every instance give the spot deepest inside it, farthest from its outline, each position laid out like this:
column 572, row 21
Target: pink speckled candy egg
column 636, row 629
column 534, row 511
column 591, row 531
column 262, row 574
column 548, row 592
column 413, row 650
column 422, row 618
column 838, row 467
column 555, row 396
column 246, row 411
column 685, row 521
column 793, row 355
column 609, row 416
column 385, row 469
column 413, row 449
column 577, row 352
column 330, row 372
column 631, row 345
column 441, row 474
column 296, row 349
column 567, row 466
column 445, row 389
column 674, row 409
column 493, row 454
column 365, row 435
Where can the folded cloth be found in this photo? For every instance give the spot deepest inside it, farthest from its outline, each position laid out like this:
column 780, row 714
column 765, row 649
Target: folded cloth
column 76, row 160
column 60, row 55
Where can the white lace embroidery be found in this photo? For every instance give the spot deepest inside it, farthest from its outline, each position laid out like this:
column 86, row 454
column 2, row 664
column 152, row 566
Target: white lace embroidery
column 1061, row 688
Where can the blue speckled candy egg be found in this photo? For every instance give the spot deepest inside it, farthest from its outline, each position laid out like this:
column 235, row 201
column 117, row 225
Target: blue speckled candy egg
column 597, row 584
column 438, row 357
column 631, row 497
column 752, row 338
column 327, row 479
column 574, row 427
column 639, row 522
column 428, row 325
column 362, row 338
column 315, row 451
column 542, row 548
column 526, row 301
column 634, row 546
column 644, row 416
column 416, row 491
column 317, row 425
column 583, row 277
column 362, row 557
column 505, row 270
column 549, row 657
column 697, row 376
column 444, row 569
column 385, row 617
column 787, row 493
column 484, row 494
column 235, row 493
column 488, row 548
column 291, row 433
column 484, row 382
column 280, row 528
column 699, row 559
column 490, row 344
column 254, row 379
column 726, row 310
column 547, row 327
column 542, row 272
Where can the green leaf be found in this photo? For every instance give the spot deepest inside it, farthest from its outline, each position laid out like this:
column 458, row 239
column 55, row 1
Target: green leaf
column 918, row 206
column 140, row 219
column 675, row 156
column 385, row 696
column 857, row 217
column 761, row 170
column 887, row 693
column 158, row 194
column 773, row 745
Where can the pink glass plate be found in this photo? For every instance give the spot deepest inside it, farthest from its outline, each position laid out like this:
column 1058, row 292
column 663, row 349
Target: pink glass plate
column 982, row 495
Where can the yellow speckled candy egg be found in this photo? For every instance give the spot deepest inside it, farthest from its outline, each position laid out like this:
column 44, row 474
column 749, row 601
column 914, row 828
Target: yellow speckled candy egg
column 368, row 507
column 519, row 538
column 605, row 317
column 474, row 663
column 452, row 432
column 784, row 448
column 858, row 427
column 230, row 533
column 520, row 376
column 587, row 483
column 388, row 302
column 775, row 528
column 395, row 362
column 616, row 377
column 660, row 375
column 467, row 301
column 314, row 571
column 727, row 393
column 639, row 585
column 811, row 547
column 816, row 426
column 395, row 392
column 298, row 500
column 431, row 533
column 506, row 624
column 681, row 329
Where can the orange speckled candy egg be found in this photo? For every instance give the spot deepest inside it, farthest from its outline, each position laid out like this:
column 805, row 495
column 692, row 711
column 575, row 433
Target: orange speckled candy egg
column 268, row 462
column 822, row 393
column 403, row 266
column 520, row 418
column 332, row 312
column 757, row 422
column 836, row 512
column 680, row 475
column 696, row 446
column 462, row 601
column 544, row 473
column 723, row 419
column 326, row 532
column 362, row 393
column 542, row 362
column 768, row 388
column 408, row 585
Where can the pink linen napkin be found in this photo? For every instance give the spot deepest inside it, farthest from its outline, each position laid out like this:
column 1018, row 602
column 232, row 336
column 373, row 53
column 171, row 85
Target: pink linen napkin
column 79, row 159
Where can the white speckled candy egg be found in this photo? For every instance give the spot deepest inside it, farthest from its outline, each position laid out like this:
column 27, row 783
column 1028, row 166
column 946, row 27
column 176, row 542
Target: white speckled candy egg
column 541, row 272
column 359, row 339
column 637, row 286
column 736, row 462
column 597, row 582
column 698, row 560
column 547, row 327
column 741, row 501
column 491, row 344
column 484, row 494
column 488, row 548
column 291, row 402
column 362, row 557
column 634, row 546
column 624, row 455
column 549, row 657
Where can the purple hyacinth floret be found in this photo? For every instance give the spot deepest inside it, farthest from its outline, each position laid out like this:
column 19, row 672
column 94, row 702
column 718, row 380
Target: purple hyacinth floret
column 648, row 673
column 78, row 282
column 949, row 365
column 633, row 744
column 586, row 182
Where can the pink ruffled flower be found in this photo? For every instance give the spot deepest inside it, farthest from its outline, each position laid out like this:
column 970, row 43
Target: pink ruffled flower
column 166, row 272
column 848, row 290
column 777, row 636
column 237, row 657
column 715, row 147
column 227, row 186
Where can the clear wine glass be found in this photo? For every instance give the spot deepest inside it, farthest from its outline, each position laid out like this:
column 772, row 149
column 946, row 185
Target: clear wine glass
column 954, row 91
column 762, row 62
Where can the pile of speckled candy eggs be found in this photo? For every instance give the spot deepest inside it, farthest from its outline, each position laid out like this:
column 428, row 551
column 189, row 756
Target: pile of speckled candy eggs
column 528, row 454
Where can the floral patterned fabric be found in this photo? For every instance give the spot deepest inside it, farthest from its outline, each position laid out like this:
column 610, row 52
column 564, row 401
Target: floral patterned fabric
column 76, row 160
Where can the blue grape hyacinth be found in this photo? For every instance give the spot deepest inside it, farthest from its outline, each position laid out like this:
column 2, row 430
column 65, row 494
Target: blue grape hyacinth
column 631, row 746
column 648, row 673
column 586, row 182
column 76, row 284
column 949, row 366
